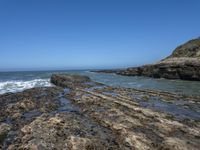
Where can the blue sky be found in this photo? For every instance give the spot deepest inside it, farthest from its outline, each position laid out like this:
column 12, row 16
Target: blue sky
column 80, row 34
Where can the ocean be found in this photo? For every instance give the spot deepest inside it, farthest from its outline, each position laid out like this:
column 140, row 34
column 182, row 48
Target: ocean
column 19, row 81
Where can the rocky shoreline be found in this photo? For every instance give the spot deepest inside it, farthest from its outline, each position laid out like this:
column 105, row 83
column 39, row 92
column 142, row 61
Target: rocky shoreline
column 78, row 113
column 183, row 63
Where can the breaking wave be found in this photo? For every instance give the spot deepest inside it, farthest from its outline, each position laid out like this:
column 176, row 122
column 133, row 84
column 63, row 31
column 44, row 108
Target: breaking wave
column 17, row 86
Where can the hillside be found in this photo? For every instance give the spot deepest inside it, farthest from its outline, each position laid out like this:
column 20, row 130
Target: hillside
column 183, row 63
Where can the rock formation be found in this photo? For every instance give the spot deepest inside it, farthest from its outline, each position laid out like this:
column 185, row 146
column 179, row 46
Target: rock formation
column 69, row 81
column 78, row 113
column 183, row 63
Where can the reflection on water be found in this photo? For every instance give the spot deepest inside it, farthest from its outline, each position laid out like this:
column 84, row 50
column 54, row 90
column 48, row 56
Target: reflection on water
column 177, row 86
column 171, row 108
column 65, row 104
column 31, row 114
column 113, row 94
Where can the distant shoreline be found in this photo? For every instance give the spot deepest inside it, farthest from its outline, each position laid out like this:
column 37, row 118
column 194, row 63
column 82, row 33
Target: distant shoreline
column 183, row 63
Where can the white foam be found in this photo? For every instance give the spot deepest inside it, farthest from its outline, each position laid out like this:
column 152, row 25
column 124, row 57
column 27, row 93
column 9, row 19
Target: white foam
column 17, row 86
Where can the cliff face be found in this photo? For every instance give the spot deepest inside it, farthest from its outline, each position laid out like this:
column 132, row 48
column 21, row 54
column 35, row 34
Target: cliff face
column 183, row 63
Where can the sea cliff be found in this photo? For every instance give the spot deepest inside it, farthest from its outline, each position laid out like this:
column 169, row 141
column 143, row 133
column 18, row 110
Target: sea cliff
column 183, row 63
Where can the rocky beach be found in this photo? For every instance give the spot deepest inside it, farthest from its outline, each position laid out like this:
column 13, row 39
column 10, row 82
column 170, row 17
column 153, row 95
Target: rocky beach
column 79, row 113
column 183, row 63
column 99, row 75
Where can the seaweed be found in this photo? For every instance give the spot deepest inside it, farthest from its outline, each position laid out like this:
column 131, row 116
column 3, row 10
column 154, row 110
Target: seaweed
column 3, row 136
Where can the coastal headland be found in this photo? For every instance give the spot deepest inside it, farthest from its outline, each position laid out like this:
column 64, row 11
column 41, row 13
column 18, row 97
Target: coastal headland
column 78, row 113
column 183, row 63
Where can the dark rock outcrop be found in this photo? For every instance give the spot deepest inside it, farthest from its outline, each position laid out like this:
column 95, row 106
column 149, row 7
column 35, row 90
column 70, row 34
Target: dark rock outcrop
column 184, row 71
column 183, row 63
column 69, row 81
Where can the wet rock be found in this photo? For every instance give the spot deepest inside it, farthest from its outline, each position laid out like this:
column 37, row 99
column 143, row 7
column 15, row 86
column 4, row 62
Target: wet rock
column 89, row 115
column 65, row 131
column 171, row 68
column 69, row 81
column 4, row 129
column 137, row 127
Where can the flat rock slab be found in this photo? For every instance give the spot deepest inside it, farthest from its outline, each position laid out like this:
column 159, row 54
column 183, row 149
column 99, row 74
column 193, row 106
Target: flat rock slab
column 81, row 114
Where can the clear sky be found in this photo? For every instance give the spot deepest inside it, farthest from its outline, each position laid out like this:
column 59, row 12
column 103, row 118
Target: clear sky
column 80, row 34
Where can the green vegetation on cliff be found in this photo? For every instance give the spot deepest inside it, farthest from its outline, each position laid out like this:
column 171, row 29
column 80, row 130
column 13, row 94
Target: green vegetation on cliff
column 189, row 49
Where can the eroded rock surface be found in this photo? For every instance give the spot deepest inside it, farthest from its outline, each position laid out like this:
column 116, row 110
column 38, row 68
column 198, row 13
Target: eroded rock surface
column 82, row 114
column 69, row 81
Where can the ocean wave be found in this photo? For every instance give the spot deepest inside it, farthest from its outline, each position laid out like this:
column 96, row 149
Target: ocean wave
column 17, row 86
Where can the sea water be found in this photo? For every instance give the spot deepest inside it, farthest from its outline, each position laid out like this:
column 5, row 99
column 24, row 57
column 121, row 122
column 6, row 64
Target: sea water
column 19, row 81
